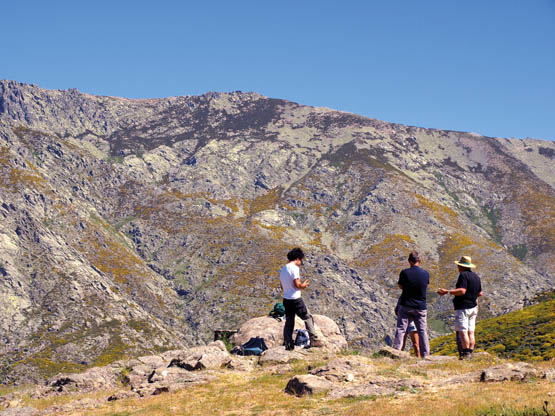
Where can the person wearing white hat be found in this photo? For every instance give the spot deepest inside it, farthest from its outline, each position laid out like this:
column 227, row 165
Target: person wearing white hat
column 468, row 290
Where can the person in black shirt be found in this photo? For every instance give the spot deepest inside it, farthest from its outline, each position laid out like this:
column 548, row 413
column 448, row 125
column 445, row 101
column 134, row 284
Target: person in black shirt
column 412, row 304
column 468, row 290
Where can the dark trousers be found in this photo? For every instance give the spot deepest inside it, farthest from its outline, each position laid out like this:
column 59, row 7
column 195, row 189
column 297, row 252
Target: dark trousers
column 296, row 307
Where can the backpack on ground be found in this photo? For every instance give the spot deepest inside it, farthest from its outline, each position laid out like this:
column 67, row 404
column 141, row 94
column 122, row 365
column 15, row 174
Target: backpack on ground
column 302, row 339
column 254, row 346
column 278, row 312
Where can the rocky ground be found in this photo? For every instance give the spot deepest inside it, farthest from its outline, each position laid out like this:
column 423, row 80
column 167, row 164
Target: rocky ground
column 133, row 227
column 329, row 373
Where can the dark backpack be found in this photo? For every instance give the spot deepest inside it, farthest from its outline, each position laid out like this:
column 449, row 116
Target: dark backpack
column 254, row 346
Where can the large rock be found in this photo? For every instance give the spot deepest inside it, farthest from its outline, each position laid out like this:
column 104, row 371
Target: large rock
column 211, row 356
column 272, row 331
column 164, row 380
column 279, row 355
column 549, row 375
column 137, row 375
column 307, row 384
column 96, row 378
column 344, row 369
column 508, row 372
column 173, row 380
column 393, row 353
column 241, row 364
column 151, row 361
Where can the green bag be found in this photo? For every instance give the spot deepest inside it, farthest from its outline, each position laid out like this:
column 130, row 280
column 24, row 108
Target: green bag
column 278, row 311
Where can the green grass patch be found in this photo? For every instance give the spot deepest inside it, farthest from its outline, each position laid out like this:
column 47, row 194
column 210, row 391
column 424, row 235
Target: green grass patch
column 527, row 335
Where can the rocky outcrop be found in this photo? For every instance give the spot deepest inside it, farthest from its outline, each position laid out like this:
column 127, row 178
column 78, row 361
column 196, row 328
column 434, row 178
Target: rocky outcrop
column 147, row 375
column 271, row 330
column 348, row 377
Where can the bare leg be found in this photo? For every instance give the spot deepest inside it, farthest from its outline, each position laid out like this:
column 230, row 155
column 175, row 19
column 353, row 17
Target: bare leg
column 463, row 336
column 471, row 340
column 415, row 344
column 404, row 342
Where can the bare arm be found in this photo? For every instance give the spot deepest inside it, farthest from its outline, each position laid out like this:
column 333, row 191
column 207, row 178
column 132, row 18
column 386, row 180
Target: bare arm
column 457, row 292
column 299, row 285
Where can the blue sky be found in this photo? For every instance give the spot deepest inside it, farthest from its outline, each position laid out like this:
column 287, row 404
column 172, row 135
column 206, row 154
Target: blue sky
column 486, row 66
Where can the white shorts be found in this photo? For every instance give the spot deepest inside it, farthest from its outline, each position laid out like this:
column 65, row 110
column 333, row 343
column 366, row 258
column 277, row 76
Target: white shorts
column 465, row 319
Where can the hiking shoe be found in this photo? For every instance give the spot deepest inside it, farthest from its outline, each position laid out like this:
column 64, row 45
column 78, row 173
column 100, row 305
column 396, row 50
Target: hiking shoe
column 289, row 347
column 316, row 343
column 466, row 356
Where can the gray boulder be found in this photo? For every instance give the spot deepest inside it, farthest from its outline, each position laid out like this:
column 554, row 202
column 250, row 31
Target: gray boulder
column 344, row 369
column 508, row 372
column 95, row 378
column 549, row 375
column 272, row 331
column 211, row 356
column 137, row 375
column 241, row 364
column 308, row 384
column 279, row 355
column 393, row 353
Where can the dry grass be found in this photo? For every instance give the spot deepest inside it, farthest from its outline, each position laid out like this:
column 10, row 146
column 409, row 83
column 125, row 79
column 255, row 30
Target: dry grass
column 260, row 393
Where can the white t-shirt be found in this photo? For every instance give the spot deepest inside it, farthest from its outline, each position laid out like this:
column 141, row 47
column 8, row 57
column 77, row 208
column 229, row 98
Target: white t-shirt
column 287, row 275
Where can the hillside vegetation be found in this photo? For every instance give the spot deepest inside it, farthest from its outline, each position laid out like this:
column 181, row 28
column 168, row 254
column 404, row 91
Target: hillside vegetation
column 528, row 334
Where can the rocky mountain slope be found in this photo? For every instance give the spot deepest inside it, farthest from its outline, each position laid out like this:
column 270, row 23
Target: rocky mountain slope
column 130, row 226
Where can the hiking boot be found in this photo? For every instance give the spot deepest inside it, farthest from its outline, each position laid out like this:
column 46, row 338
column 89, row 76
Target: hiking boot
column 289, row 347
column 316, row 343
column 466, row 356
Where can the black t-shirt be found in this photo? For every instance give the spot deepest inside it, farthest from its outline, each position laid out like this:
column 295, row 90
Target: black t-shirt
column 414, row 282
column 471, row 282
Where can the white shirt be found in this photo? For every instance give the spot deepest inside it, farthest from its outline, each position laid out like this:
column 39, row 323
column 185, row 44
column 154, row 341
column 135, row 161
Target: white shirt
column 287, row 275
